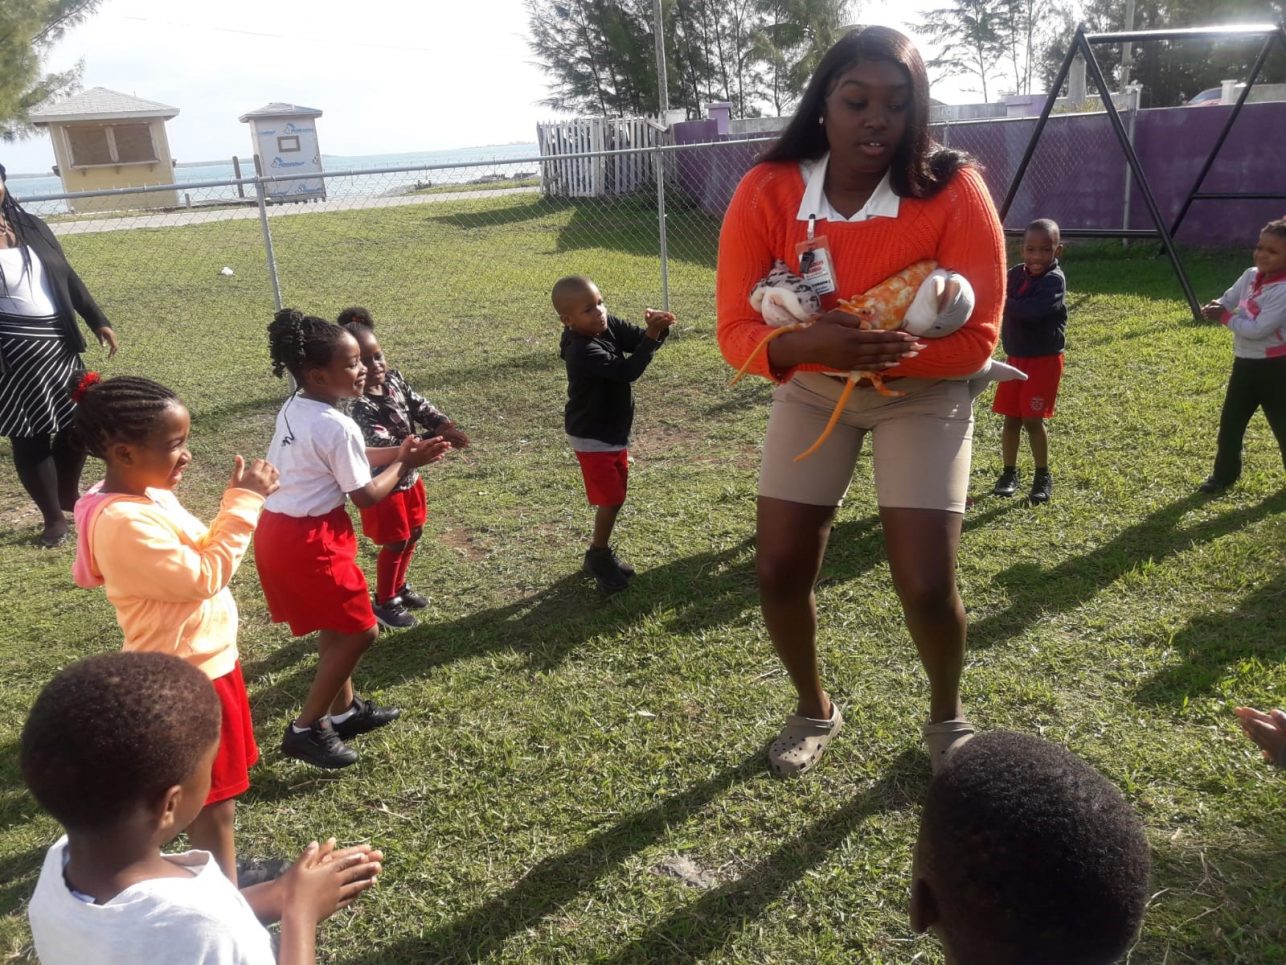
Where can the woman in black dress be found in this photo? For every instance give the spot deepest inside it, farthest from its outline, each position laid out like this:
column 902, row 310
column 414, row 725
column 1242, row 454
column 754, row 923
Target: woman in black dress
column 40, row 346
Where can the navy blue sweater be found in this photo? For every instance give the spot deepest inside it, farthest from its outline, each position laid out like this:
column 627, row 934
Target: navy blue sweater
column 1035, row 319
column 600, row 400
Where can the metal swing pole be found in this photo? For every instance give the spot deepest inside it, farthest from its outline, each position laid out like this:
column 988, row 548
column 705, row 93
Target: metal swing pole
column 1091, row 63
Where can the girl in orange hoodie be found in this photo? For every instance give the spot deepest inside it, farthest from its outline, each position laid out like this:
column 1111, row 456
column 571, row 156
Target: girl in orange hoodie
column 164, row 571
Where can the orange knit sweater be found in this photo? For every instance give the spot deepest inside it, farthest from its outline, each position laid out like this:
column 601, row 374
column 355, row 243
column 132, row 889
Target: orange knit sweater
column 957, row 228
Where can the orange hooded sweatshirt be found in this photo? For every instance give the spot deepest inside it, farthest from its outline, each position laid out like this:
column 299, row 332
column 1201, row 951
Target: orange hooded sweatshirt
column 166, row 574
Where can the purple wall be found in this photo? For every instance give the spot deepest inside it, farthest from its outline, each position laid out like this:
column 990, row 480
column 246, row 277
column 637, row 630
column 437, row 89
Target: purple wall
column 1077, row 175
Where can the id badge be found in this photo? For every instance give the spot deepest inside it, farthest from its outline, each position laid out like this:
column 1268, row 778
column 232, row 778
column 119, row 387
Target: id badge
column 815, row 265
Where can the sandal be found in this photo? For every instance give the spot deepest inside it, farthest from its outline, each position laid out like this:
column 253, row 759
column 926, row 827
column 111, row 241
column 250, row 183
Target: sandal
column 801, row 742
column 944, row 738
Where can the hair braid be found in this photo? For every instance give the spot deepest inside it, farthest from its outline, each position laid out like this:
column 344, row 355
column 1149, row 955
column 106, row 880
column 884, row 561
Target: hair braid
column 126, row 407
column 299, row 342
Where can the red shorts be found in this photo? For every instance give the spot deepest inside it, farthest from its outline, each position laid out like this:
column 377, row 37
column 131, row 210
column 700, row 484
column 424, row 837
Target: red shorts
column 392, row 519
column 230, row 775
column 606, row 475
column 308, row 570
column 1033, row 399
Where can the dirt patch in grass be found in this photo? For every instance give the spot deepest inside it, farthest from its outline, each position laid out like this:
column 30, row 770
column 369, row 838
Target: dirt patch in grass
column 463, row 542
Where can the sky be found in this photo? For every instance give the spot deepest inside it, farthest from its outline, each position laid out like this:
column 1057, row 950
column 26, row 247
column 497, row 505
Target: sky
column 390, row 75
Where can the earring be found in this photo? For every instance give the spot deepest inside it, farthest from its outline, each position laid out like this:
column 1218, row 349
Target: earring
column 821, row 120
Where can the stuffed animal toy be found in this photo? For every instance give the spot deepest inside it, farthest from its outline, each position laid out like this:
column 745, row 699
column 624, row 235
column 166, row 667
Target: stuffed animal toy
column 908, row 300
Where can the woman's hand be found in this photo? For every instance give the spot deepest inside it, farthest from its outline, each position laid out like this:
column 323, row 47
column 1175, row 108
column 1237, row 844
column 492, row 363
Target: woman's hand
column 837, row 341
column 107, row 338
column 261, row 477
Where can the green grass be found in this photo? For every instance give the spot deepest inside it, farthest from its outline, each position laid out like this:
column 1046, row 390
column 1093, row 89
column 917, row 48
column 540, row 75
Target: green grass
column 558, row 751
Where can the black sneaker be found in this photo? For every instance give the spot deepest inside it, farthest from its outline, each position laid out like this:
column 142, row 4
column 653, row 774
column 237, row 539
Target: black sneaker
column 319, row 745
column 367, row 715
column 1212, row 486
column 410, row 599
column 1007, row 484
column 255, row 871
column 1042, row 487
column 622, row 565
column 393, row 615
column 601, row 564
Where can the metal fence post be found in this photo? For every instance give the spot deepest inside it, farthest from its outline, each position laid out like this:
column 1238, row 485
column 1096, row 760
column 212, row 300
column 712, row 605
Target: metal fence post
column 267, row 244
column 661, row 228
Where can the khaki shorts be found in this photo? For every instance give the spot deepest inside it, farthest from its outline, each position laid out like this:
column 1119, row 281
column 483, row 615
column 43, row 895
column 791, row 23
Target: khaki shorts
column 921, row 443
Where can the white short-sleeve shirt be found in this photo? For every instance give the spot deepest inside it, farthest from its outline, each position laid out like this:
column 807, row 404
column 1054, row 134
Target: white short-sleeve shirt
column 321, row 456
column 199, row 919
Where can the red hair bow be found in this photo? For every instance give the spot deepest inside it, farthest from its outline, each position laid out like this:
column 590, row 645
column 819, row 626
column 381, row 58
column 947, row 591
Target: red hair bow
column 87, row 380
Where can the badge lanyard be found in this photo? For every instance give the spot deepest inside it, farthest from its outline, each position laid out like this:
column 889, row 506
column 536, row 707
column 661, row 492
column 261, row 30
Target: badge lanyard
column 815, row 260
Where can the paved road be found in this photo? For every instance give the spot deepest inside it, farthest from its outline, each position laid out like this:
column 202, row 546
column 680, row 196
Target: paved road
column 189, row 216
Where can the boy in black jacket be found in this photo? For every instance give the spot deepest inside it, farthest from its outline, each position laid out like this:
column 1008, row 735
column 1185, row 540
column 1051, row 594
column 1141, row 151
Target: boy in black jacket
column 600, row 406
column 1033, row 332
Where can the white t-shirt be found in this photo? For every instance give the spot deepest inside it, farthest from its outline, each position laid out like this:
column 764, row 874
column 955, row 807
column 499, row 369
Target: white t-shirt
column 321, row 456
column 25, row 293
column 197, row 920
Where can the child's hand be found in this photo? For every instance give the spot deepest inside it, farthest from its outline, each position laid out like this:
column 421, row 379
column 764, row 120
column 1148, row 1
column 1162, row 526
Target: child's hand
column 1266, row 730
column 1212, row 311
column 415, row 452
column 657, row 321
column 324, row 880
column 262, row 476
column 451, row 434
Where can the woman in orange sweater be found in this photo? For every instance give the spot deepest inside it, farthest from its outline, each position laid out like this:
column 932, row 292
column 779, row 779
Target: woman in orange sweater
column 852, row 192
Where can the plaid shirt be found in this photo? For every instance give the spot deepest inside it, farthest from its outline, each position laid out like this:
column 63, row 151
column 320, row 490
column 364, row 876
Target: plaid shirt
column 387, row 419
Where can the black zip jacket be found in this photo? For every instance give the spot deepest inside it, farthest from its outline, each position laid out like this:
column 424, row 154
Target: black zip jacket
column 600, row 400
column 1035, row 319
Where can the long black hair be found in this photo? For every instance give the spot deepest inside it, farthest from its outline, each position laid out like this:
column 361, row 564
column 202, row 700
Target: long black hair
column 13, row 215
column 920, row 169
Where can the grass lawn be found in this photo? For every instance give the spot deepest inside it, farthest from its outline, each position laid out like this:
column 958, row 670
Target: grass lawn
column 577, row 778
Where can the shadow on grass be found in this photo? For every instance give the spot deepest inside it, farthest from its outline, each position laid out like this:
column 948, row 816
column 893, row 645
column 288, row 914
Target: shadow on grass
column 696, row 929
column 1211, row 644
column 1037, row 593
column 18, row 873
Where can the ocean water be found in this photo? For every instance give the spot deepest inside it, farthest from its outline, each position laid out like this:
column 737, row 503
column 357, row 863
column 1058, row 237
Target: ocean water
column 481, row 161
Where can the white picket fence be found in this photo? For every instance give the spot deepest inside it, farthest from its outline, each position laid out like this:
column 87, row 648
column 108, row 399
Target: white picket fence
column 597, row 177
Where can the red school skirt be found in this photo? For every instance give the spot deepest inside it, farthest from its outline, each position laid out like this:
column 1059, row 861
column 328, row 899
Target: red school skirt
column 238, row 752
column 308, row 570
column 396, row 516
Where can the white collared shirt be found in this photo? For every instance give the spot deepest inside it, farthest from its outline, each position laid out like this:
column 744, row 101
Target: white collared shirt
column 882, row 203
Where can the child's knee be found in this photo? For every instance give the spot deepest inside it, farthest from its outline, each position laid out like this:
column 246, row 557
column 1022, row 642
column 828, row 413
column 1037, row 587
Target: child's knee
column 397, row 548
column 415, row 536
column 1034, row 425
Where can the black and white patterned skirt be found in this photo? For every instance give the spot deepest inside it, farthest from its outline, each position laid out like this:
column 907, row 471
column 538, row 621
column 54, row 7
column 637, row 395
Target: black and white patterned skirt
column 36, row 365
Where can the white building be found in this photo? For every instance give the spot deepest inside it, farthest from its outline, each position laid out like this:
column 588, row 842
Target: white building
column 285, row 142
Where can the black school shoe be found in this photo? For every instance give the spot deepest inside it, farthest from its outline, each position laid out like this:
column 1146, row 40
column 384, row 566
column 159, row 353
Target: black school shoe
column 1212, row 486
column 367, row 715
column 1042, row 487
column 1006, row 484
column 622, row 565
column 602, row 564
column 319, row 746
column 410, row 599
column 393, row 615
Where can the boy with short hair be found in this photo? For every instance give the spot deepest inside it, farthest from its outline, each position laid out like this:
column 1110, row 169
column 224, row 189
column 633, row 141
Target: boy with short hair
column 604, row 355
column 118, row 749
column 1027, row 854
column 1034, row 334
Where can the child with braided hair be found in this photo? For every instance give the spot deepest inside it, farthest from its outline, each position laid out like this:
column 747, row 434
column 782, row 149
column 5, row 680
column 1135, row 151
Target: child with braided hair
column 166, row 572
column 388, row 412
column 305, row 547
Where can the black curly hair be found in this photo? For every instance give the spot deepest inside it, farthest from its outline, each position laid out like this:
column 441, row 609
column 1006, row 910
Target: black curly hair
column 126, row 407
column 356, row 315
column 299, row 342
column 920, row 168
column 116, row 731
column 1031, row 855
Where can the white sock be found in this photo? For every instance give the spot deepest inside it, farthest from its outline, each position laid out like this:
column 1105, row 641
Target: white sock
column 340, row 718
column 298, row 730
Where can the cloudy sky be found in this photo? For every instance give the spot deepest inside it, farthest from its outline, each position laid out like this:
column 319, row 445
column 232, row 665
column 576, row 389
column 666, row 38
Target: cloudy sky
column 390, row 75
